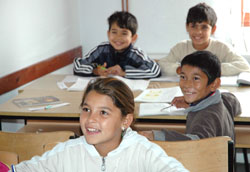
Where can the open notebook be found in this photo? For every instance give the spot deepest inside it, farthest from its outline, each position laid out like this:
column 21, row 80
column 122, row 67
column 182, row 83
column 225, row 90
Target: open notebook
column 161, row 95
column 151, row 109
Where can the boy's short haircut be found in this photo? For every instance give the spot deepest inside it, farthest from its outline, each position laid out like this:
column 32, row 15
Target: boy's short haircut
column 206, row 61
column 201, row 13
column 124, row 20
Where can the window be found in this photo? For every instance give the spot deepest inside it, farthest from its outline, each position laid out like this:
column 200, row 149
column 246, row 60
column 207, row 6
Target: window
column 245, row 13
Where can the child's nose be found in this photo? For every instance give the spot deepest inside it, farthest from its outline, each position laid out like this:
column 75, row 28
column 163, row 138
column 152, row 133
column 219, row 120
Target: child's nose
column 188, row 83
column 198, row 30
column 93, row 117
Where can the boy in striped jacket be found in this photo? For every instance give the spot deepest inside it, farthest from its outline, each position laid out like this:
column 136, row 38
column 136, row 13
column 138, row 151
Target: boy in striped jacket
column 118, row 56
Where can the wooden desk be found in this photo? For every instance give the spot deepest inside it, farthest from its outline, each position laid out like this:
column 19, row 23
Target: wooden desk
column 47, row 86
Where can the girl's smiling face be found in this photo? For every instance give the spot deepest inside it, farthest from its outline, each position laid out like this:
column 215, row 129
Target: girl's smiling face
column 101, row 122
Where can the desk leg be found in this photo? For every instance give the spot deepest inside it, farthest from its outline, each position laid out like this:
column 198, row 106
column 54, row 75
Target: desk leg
column 0, row 125
column 246, row 159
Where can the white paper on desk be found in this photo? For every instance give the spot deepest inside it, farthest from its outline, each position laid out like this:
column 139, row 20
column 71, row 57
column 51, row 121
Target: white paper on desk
column 80, row 84
column 70, row 78
column 159, row 95
column 151, row 109
column 229, row 81
column 135, row 84
column 166, row 79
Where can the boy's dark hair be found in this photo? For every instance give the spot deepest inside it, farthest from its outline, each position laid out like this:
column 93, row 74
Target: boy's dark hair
column 124, row 20
column 206, row 61
column 201, row 13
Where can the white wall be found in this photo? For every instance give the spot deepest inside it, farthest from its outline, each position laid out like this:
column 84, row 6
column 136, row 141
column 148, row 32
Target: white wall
column 161, row 22
column 94, row 24
column 33, row 30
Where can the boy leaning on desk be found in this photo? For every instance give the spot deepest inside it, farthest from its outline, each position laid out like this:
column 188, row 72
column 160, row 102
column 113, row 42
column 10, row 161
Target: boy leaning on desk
column 118, row 56
column 210, row 113
column 200, row 25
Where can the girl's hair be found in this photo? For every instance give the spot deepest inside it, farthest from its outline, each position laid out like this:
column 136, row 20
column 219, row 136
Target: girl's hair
column 117, row 90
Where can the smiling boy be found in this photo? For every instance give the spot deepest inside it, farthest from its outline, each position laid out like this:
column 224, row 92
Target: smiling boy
column 200, row 25
column 118, row 56
column 210, row 113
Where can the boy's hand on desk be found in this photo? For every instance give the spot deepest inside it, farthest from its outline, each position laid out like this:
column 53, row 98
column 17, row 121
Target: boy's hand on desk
column 101, row 70
column 148, row 134
column 116, row 70
column 180, row 102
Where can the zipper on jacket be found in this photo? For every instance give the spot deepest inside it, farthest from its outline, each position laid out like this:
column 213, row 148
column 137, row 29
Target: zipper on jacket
column 103, row 168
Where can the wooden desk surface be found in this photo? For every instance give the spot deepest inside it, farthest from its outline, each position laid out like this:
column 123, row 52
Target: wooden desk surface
column 47, row 86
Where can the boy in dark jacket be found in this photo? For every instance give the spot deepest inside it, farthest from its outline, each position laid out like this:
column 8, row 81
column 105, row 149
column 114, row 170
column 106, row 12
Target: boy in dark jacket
column 210, row 113
column 118, row 56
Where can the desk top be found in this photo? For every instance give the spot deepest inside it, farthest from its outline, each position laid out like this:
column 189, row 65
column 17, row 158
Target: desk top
column 46, row 86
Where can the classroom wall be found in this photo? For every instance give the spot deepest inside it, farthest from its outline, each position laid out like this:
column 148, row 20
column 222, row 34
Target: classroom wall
column 32, row 31
column 161, row 23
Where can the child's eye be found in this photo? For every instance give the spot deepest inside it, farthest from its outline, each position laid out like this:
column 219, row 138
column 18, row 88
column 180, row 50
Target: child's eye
column 193, row 25
column 124, row 33
column 196, row 78
column 204, row 27
column 104, row 112
column 85, row 109
column 182, row 77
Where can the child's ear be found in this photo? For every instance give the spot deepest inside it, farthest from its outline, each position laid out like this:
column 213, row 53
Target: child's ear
column 134, row 38
column 127, row 121
column 187, row 29
column 178, row 70
column 213, row 30
column 215, row 85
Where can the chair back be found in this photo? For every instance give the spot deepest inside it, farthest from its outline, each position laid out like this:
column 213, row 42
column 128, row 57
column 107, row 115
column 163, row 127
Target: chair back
column 27, row 145
column 49, row 146
column 8, row 158
column 205, row 155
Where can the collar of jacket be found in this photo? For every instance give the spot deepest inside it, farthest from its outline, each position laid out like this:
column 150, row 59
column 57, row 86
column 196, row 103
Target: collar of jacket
column 210, row 100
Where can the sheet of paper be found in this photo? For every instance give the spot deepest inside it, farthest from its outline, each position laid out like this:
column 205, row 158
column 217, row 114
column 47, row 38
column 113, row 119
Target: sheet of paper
column 80, row 84
column 166, row 79
column 151, row 109
column 70, row 78
column 62, row 85
column 159, row 95
column 229, row 81
column 244, row 78
column 135, row 84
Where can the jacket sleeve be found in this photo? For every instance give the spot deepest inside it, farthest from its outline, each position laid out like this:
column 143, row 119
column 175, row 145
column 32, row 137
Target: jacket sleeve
column 140, row 66
column 170, row 63
column 232, row 63
column 84, row 66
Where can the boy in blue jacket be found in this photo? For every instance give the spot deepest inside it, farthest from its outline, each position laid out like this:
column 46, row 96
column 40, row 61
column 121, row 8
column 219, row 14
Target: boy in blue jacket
column 118, row 56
